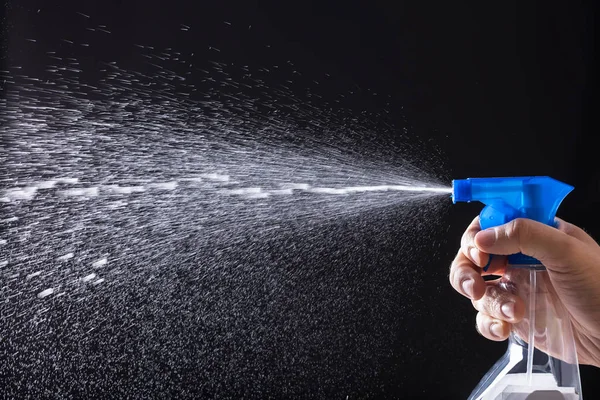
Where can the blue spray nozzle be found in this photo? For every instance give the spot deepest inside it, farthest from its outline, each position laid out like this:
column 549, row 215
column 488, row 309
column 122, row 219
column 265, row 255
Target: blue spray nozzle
column 461, row 190
column 533, row 197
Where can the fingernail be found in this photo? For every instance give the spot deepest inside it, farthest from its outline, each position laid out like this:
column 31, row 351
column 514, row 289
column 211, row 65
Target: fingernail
column 475, row 256
column 467, row 287
column 508, row 309
column 496, row 329
column 487, row 237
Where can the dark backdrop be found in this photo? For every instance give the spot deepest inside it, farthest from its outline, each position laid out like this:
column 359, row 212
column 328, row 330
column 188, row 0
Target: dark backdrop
column 500, row 88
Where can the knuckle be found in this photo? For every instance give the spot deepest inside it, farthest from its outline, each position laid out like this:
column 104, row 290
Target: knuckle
column 453, row 270
column 459, row 270
column 483, row 324
column 496, row 307
column 468, row 235
column 517, row 229
column 479, row 323
column 565, row 227
column 494, row 301
column 464, row 240
column 455, row 281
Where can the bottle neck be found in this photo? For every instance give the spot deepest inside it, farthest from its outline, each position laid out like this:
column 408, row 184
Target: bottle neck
column 536, row 267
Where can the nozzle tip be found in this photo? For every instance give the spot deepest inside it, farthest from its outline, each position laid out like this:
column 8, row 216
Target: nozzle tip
column 461, row 190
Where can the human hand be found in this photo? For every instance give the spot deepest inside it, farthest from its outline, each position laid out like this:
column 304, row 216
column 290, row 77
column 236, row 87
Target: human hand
column 571, row 257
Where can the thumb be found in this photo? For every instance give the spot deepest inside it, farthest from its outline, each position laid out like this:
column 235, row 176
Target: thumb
column 549, row 245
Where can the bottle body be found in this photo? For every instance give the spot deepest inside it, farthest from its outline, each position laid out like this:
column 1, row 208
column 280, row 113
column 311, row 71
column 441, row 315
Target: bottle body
column 541, row 360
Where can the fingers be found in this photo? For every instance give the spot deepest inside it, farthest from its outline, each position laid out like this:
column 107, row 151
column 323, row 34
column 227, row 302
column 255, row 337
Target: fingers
column 491, row 328
column 549, row 245
column 467, row 244
column 500, row 304
column 567, row 252
column 481, row 259
column 465, row 277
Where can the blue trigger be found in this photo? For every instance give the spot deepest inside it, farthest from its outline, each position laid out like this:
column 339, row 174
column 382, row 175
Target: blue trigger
column 487, row 266
column 533, row 197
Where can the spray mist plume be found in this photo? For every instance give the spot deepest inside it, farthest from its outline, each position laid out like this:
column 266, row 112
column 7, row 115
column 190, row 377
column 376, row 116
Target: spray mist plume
column 139, row 197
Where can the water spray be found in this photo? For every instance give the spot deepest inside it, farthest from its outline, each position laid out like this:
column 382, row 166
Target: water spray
column 526, row 372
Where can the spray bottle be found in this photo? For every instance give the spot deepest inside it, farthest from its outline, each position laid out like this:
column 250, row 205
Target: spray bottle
column 526, row 371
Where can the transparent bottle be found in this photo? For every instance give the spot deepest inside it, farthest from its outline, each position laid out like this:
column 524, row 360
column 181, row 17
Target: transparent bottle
column 541, row 360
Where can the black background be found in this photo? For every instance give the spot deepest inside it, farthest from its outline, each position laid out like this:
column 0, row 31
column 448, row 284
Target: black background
column 501, row 88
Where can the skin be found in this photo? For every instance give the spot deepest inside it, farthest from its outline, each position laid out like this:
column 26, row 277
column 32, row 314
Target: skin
column 572, row 259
